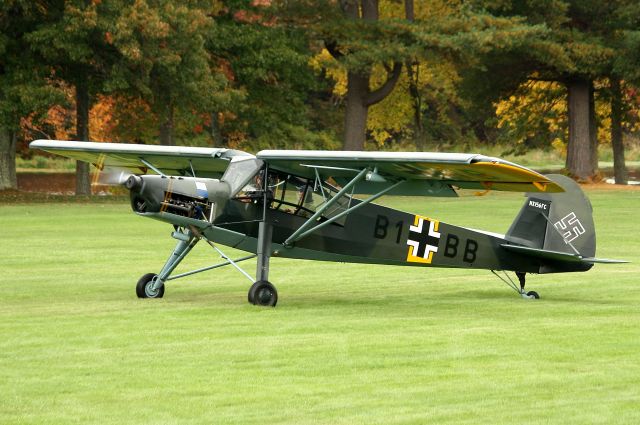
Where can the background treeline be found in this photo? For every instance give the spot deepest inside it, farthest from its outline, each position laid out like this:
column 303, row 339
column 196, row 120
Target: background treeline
column 323, row 74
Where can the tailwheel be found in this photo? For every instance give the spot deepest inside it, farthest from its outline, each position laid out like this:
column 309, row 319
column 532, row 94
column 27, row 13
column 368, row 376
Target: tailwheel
column 533, row 294
column 145, row 287
column 263, row 293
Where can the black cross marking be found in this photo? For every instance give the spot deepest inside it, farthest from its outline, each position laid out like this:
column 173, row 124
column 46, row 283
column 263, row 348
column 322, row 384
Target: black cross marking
column 423, row 239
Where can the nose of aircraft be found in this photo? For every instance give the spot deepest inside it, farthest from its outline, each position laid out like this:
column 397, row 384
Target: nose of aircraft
column 133, row 183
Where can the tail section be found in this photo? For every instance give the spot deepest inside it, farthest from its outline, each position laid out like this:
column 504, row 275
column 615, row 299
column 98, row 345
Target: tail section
column 556, row 229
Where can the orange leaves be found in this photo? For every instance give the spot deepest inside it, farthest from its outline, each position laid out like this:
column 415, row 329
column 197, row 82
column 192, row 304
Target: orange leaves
column 102, row 122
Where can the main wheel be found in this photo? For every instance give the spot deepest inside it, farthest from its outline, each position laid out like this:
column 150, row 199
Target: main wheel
column 533, row 294
column 263, row 293
column 144, row 287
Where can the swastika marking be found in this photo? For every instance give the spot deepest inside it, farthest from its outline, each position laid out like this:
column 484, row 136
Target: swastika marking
column 570, row 227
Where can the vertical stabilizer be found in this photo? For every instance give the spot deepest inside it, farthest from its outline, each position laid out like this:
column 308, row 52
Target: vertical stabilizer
column 530, row 226
column 572, row 220
column 559, row 222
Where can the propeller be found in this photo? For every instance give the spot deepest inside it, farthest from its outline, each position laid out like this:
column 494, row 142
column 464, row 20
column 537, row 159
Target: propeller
column 110, row 176
column 107, row 175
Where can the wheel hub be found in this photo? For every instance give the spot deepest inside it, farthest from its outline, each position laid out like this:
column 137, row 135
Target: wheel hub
column 264, row 295
column 148, row 289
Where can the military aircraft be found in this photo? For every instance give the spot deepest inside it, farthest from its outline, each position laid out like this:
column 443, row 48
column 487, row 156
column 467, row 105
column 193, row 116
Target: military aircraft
column 302, row 204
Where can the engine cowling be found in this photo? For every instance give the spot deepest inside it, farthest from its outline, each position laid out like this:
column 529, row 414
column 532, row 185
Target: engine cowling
column 184, row 196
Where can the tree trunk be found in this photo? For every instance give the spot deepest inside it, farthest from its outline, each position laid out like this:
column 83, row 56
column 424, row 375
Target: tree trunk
column 355, row 123
column 83, row 183
column 8, row 179
column 355, row 120
column 414, row 78
column 166, row 126
column 593, row 129
column 579, row 157
column 370, row 10
column 215, row 133
column 409, row 10
column 416, row 103
column 359, row 97
column 619, row 167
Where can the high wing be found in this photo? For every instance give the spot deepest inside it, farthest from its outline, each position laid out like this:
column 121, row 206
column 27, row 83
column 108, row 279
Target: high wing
column 423, row 172
column 141, row 159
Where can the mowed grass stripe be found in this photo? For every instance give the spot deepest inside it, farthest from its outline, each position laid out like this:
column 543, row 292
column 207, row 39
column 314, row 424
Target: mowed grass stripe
column 347, row 343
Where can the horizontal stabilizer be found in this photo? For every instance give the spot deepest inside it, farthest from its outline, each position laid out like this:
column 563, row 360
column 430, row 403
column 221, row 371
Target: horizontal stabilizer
column 604, row 260
column 545, row 254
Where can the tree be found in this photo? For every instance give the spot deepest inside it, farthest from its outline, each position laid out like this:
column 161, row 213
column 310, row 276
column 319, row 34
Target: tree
column 617, row 110
column 583, row 46
column 277, row 100
column 580, row 152
column 72, row 38
column 23, row 82
column 360, row 96
column 165, row 61
column 625, row 72
column 366, row 36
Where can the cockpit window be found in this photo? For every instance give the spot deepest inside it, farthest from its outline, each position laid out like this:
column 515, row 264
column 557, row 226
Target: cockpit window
column 293, row 195
column 241, row 172
column 302, row 197
column 253, row 190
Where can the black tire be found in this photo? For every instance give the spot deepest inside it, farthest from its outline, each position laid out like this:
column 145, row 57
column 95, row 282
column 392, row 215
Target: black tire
column 263, row 293
column 533, row 294
column 251, row 295
column 143, row 287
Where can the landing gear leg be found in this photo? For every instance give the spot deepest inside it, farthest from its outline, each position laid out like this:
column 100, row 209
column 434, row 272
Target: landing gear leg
column 522, row 279
column 151, row 285
column 262, row 292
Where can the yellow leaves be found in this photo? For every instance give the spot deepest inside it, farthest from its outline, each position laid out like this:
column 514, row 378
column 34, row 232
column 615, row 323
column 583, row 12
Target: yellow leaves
column 535, row 102
column 423, row 10
column 539, row 111
column 323, row 61
column 559, row 145
column 393, row 115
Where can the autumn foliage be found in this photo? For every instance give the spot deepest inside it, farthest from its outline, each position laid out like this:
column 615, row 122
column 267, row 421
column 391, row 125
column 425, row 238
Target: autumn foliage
column 428, row 75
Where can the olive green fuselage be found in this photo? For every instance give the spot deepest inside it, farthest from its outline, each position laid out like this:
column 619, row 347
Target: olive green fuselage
column 370, row 234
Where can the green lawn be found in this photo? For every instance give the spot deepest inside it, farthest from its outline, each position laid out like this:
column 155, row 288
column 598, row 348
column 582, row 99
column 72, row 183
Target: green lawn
column 347, row 344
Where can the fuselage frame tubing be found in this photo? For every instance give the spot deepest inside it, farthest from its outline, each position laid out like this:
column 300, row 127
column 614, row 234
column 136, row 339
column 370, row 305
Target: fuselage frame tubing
column 295, row 236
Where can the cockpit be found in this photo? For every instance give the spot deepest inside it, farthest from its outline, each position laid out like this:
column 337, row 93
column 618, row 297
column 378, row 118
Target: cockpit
column 294, row 195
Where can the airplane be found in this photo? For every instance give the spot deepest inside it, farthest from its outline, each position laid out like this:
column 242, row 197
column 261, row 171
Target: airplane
column 302, row 204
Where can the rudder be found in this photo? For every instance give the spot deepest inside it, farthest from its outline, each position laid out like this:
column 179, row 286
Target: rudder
column 559, row 222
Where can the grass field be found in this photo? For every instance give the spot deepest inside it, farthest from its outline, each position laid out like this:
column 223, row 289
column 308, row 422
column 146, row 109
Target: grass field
column 347, row 344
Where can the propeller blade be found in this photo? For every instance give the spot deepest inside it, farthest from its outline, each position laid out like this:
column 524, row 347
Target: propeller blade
column 111, row 176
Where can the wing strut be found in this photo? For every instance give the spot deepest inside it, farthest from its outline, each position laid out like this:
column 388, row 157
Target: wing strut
column 148, row 164
column 307, row 227
column 295, row 236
